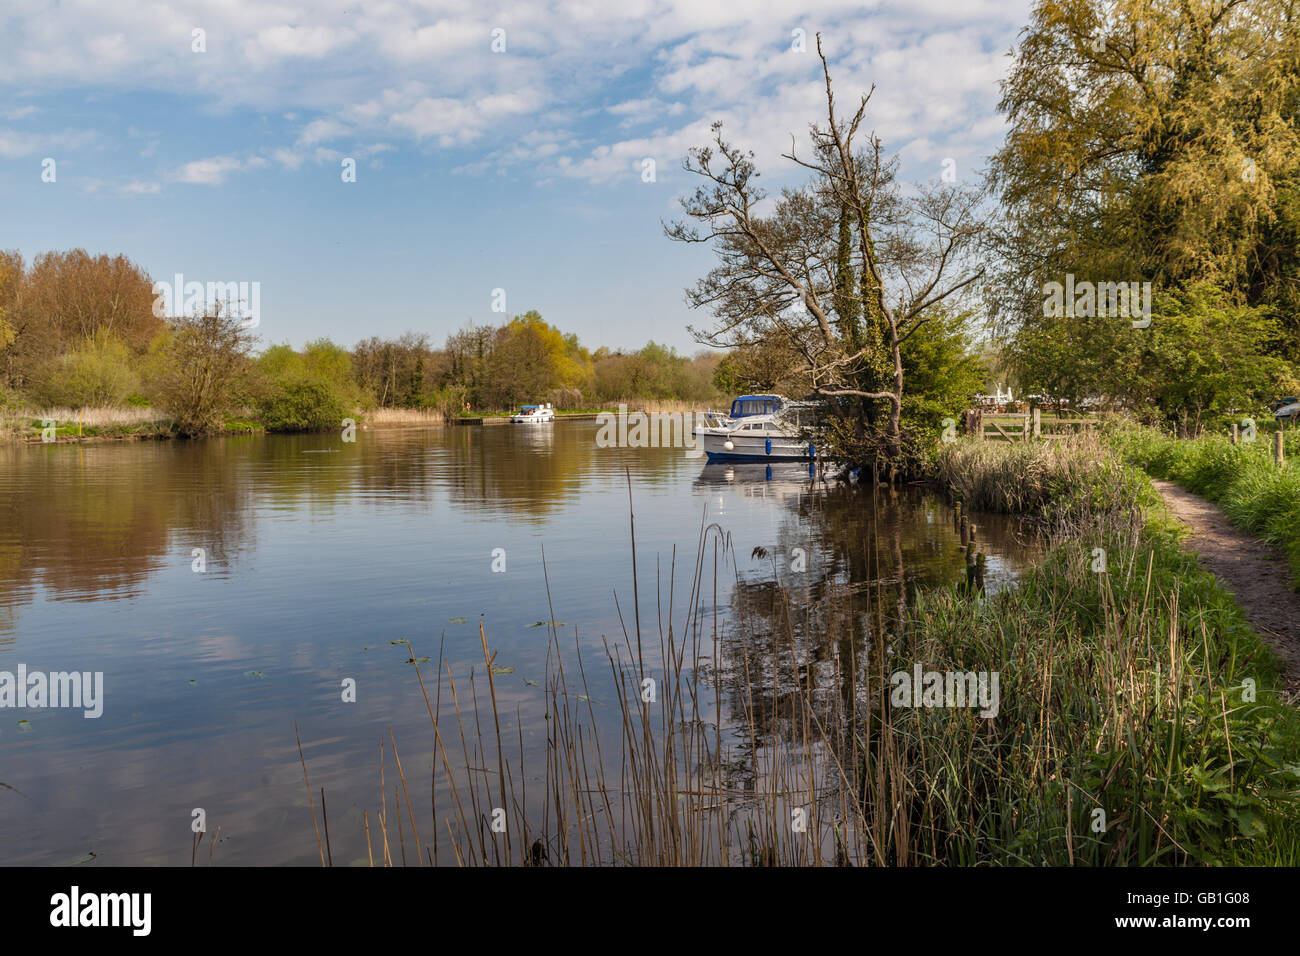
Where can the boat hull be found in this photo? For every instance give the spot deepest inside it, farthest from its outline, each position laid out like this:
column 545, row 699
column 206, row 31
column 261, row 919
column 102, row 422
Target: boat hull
column 752, row 447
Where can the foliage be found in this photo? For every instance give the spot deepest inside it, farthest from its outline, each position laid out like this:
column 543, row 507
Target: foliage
column 1153, row 142
column 942, row 369
column 304, row 403
column 101, row 372
column 1203, row 355
column 199, row 371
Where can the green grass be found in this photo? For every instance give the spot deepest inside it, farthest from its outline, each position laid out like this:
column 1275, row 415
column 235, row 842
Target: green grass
column 1242, row 479
column 1123, row 691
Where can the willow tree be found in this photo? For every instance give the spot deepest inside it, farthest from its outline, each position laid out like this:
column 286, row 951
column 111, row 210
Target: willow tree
column 840, row 272
column 1154, row 140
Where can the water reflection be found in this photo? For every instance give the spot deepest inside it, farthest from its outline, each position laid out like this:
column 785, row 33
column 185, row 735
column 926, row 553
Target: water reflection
column 320, row 554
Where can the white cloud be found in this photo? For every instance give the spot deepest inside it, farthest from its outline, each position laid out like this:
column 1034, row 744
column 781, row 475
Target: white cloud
column 294, row 41
column 208, row 172
column 422, row 74
column 15, row 143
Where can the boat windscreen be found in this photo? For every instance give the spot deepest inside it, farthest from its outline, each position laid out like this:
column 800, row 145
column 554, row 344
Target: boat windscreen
column 753, row 405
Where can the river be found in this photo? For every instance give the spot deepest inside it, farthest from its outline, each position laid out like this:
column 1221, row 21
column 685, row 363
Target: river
column 230, row 587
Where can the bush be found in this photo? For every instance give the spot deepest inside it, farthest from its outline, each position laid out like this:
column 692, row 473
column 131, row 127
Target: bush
column 198, row 371
column 100, row 373
column 304, row 404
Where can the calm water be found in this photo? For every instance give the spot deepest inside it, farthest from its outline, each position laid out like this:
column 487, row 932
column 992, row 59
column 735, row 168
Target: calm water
column 319, row 555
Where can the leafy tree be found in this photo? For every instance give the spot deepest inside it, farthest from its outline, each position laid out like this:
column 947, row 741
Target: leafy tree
column 1150, row 141
column 1207, row 356
column 943, row 371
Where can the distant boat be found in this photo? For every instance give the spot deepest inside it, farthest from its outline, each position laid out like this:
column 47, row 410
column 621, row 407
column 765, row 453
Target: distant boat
column 533, row 415
column 759, row 428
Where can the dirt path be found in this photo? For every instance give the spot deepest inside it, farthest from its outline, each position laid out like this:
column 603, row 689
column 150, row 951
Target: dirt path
column 1257, row 575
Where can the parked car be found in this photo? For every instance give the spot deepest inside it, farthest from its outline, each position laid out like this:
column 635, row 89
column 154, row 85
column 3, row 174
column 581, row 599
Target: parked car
column 1287, row 410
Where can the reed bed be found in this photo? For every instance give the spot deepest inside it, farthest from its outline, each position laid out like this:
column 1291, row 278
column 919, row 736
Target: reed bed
column 1139, row 721
column 97, row 416
column 406, row 416
column 17, row 424
column 660, row 406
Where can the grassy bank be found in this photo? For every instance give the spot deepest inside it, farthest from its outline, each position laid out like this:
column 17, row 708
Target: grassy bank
column 1242, row 479
column 104, row 423
column 1129, row 687
column 1138, row 718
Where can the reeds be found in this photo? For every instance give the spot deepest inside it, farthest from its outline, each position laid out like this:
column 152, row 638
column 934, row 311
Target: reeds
column 390, row 417
column 18, row 423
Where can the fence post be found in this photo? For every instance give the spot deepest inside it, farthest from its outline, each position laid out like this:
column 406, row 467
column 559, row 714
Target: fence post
column 1026, row 427
column 1279, row 449
column 1038, row 424
column 1234, row 433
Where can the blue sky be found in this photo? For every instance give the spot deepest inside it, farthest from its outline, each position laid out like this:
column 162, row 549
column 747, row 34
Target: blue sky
column 475, row 169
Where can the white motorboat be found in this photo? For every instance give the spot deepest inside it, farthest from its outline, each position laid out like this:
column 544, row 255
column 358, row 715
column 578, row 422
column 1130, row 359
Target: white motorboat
column 759, row 428
column 533, row 415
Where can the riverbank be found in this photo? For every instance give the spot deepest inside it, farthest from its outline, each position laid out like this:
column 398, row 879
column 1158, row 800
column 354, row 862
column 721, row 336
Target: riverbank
column 1170, row 712
column 67, row 426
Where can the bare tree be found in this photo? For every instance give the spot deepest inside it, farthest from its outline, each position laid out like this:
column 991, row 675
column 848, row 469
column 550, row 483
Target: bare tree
column 818, row 272
column 201, row 373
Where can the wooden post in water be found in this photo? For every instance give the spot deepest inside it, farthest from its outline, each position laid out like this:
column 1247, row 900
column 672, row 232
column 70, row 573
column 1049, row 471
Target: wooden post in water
column 971, row 538
column 1279, row 449
column 965, row 532
column 1235, row 434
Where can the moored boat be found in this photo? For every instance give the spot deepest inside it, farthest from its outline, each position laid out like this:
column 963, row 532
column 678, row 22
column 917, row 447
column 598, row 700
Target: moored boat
column 759, row 428
column 533, row 415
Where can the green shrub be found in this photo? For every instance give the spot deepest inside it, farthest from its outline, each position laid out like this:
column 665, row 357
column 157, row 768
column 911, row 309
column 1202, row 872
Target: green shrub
column 100, row 373
column 304, row 404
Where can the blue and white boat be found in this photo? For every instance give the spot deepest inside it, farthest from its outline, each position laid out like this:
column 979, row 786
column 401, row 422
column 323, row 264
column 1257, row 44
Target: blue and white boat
column 759, row 428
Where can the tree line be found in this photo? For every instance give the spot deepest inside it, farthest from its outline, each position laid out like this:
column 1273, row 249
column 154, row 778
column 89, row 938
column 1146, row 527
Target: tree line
column 78, row 330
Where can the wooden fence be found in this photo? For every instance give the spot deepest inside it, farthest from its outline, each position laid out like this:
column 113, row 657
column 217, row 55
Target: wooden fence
column 1029, row 426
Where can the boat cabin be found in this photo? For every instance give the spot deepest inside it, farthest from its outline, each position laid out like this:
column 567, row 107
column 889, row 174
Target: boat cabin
column 756, row 405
